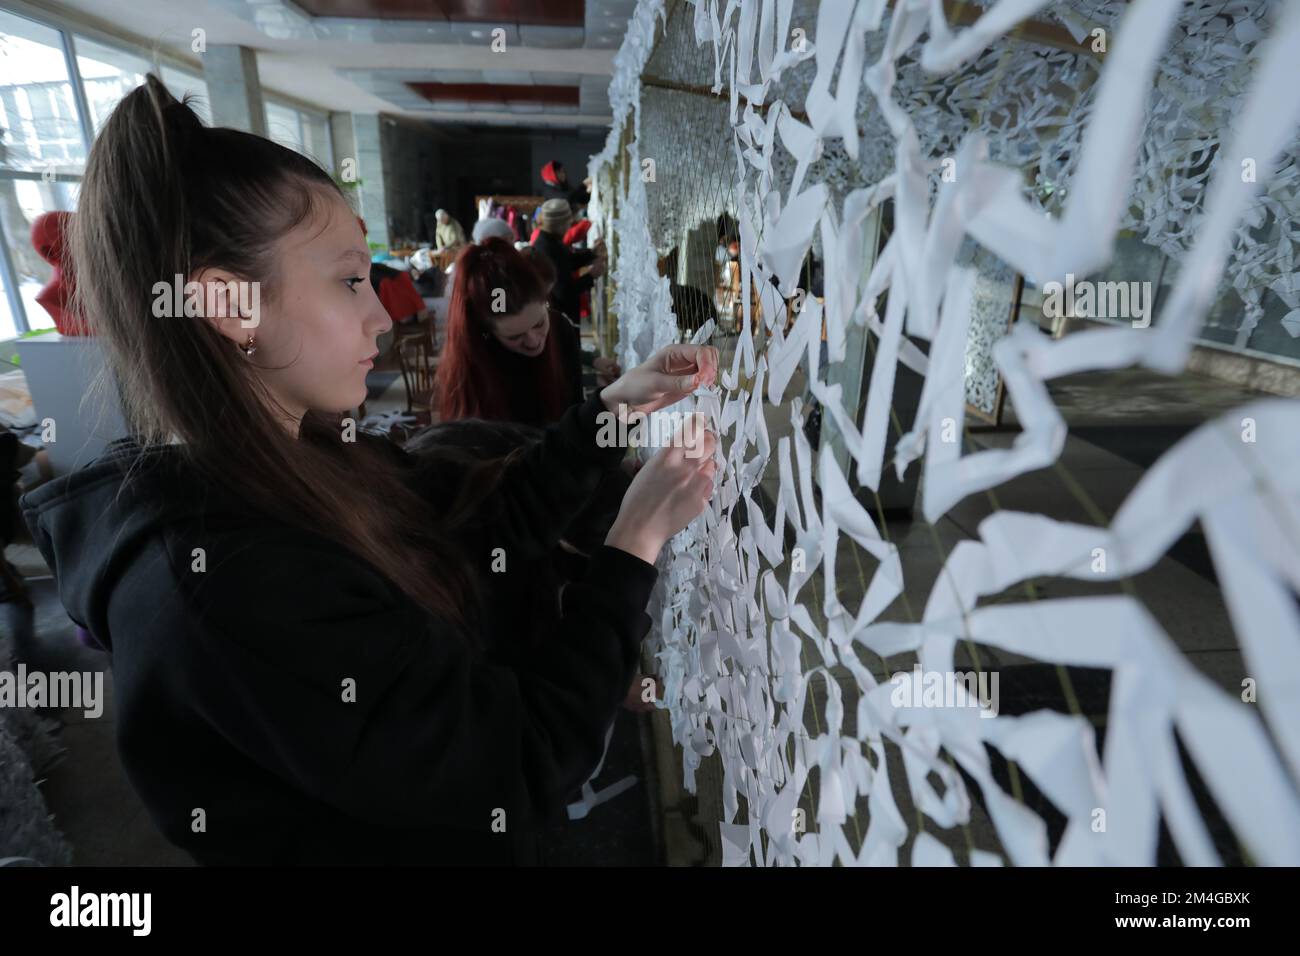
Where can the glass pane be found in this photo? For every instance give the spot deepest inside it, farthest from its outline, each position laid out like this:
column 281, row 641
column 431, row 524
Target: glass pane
column 21, row 201
column 8, row 321
column 1278, row 329
column 37, row 113
column 107, row 74
column 1272, row 334
column 179, row 83
column 1139, row 267
column 282, row 125
column 316, row 138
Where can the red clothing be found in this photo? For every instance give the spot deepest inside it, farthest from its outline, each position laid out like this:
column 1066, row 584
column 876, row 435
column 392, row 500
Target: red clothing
column 577, row 232
column 56, row 297
column 400, row 297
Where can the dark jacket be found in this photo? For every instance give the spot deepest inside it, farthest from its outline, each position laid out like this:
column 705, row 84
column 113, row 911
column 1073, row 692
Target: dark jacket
column 229, row 682
column 566, row 294
column 521, row 599
column 552, row 188
column 521, row 378
column 576, row 195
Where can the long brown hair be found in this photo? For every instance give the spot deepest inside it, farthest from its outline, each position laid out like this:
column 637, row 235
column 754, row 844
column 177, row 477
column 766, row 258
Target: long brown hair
column 163, row 195
column 471, row 377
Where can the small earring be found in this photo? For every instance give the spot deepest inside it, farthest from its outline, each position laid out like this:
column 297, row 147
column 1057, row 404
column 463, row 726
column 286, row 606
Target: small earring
column 248, row 348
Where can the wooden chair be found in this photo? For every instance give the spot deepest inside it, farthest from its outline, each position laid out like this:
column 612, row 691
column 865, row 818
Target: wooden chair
column 419, row 367
column 408, row 331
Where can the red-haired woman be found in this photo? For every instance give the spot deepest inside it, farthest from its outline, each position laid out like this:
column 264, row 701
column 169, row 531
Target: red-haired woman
column 511, row 357
column 508, row 356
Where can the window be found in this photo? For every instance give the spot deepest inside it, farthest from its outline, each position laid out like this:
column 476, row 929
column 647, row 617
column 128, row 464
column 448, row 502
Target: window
column 107, row 75
column 316, row 138
column 38, row 112
column 284, row 126
column 304, row 131
column 179, row 83
column 8, row 317
column 34, row 197
column 42, row 146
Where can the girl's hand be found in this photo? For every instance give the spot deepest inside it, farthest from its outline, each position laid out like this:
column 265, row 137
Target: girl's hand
column 607, row 370
column 666, row 377
column 668, row 493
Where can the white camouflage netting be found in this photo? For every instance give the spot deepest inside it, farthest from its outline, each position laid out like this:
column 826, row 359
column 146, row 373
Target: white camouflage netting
column 1055, row 152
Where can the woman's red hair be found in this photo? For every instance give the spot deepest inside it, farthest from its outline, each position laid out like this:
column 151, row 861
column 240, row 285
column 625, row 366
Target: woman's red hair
column 472, row 382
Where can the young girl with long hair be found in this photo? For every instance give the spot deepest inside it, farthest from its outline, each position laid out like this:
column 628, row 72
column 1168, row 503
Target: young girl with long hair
column 294, row 611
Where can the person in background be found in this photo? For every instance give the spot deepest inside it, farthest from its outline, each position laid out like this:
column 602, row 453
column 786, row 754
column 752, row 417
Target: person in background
column 576, row 270
column 502, row 361
column 555, row 185
column 396, row 290
column 575, row 234
column 606, row 369
column 519, row 365
column 492, row 226
column 523, row 594
column 449, row 235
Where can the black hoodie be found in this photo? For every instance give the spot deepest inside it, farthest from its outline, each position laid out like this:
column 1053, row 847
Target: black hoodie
column 234, row 719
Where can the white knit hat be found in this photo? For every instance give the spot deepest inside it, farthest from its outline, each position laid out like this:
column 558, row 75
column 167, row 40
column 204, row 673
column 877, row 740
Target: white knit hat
column 493, row 228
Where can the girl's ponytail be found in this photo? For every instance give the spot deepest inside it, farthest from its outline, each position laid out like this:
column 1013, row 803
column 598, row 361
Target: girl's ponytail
column 163, row 198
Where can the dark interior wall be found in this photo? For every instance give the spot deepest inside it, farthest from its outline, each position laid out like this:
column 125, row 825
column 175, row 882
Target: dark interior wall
column 428, row 166
column 411, row 174
column 477, row 161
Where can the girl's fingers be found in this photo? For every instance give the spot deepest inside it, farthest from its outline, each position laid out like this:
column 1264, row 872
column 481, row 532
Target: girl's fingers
column 702, row 485
column 681, row 359
column 672, row 384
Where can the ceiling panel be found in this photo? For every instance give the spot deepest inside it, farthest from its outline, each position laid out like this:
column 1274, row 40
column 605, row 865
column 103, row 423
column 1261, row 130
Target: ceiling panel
column 497, row 94
column 558, row 13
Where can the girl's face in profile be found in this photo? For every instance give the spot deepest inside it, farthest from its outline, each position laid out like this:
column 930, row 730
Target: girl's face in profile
column 317, row 340
column 524, row 332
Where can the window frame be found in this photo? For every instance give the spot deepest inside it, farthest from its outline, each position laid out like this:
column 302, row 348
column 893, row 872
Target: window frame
column 68, row 33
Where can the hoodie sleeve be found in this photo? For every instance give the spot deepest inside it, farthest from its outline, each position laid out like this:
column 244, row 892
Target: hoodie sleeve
column 349, row 693
column 541, row 493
